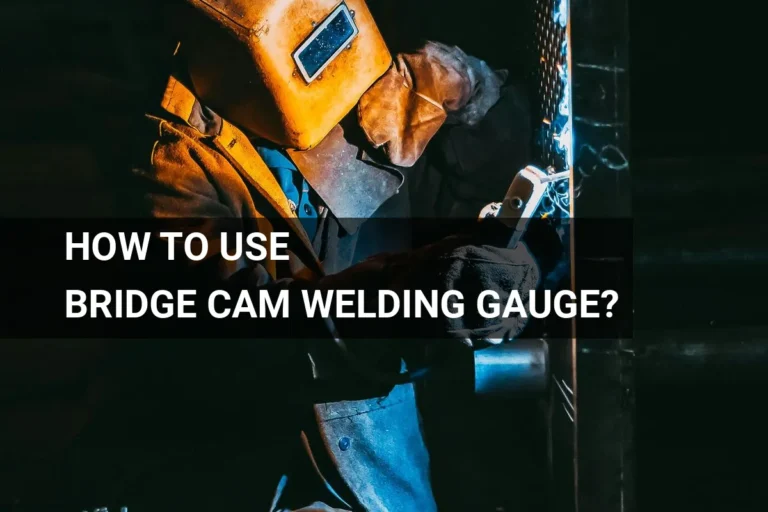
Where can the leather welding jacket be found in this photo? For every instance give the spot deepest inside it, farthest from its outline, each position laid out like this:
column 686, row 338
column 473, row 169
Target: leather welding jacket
column 200, row 166
column 369, row 454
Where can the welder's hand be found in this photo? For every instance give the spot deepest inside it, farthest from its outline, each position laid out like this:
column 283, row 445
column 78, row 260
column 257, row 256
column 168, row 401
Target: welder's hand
column 406, row 107
column 471, row 269
column 451, row 264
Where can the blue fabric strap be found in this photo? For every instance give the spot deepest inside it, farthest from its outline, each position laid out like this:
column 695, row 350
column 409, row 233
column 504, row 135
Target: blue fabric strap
column 286, row 174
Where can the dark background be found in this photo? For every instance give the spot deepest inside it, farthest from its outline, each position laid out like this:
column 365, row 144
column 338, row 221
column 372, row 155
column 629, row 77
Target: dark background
column 699, row 167
column 74, row 72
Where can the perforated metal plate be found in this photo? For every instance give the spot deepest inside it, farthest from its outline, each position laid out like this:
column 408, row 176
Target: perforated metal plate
column 551, row 83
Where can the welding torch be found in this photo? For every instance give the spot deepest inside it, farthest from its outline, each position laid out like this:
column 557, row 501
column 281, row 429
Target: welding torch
column 505, row 368
column 522, row 199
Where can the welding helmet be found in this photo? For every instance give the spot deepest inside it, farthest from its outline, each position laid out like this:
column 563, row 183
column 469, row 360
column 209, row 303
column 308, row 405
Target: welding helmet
column 285, row 70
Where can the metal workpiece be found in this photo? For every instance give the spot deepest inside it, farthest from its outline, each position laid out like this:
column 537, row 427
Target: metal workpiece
column 524, row 197
column 521, row 366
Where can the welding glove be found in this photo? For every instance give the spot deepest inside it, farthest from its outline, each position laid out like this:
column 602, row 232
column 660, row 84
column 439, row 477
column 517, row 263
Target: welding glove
column 451, row 264
column 423, row 90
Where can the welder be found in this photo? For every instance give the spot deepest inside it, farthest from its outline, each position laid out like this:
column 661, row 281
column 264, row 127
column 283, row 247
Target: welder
column 294, row 116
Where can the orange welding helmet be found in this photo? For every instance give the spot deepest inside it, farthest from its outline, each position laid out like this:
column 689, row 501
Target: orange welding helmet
column 285, row 70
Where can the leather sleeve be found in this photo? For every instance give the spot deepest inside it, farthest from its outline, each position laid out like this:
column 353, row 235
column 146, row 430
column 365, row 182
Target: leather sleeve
column 406, row 107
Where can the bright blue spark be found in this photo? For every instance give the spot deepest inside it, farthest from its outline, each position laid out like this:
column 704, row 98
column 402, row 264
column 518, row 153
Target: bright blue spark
column 561, row 13
column 564, row 138
column 557, row 201
column 564, row 109
column 565, row 142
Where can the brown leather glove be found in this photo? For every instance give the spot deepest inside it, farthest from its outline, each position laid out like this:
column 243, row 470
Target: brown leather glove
column 406, row 107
